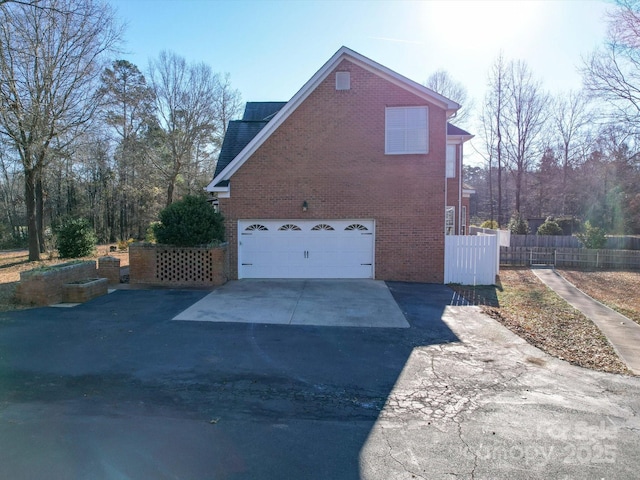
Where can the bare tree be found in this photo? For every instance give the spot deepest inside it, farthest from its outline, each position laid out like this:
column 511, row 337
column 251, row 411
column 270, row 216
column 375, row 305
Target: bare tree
column 10, row 198
column 50, row 60
column 128, row 109
column 612, row 73
column 571, row 118
column 186, row 97
column 228, row 106
column 441, row 82
column 525, row 115
column 493, row 125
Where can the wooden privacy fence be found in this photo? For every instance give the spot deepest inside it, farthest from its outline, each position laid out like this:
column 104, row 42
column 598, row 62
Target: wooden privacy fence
column 567, row 241
column 570, row 257
column 471, row 260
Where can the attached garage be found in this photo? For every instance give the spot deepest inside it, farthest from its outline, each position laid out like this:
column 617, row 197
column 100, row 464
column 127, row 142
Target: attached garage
column 306, row 248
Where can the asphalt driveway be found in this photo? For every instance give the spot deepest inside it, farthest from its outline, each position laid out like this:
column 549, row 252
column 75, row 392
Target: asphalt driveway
column 114, row 389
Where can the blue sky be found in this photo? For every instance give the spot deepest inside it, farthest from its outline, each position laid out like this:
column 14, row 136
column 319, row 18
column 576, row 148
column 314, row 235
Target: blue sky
column 271, row 48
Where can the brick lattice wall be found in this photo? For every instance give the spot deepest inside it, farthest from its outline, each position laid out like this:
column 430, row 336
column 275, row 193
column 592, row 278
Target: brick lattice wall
column 177, row 266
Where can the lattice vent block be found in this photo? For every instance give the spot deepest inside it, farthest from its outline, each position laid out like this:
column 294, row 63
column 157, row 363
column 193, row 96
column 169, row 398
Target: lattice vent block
column 188, row 266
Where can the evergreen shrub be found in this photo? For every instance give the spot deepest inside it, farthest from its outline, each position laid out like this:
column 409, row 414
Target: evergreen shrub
column 189, row 222
column 518, row 225
column 76, row 238
column 549, row 227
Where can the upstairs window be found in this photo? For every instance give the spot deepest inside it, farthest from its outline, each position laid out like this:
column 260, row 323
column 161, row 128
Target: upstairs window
column 406, row 130
column 451, row 161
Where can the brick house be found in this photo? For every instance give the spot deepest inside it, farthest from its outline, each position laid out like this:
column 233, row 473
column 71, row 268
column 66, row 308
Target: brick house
column 357, row 176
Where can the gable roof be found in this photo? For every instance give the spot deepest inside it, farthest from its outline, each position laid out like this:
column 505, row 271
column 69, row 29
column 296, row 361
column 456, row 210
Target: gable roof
column 220, row 182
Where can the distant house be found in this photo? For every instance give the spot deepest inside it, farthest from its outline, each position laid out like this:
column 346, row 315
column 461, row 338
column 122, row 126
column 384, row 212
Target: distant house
column 357, row 176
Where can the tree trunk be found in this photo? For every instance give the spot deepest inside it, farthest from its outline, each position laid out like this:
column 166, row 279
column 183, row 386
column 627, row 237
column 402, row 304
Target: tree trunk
column 40, row 211
column 32, row 222
column 518, row 188
column 565, row 174
column 170, row 189
column 172, row 183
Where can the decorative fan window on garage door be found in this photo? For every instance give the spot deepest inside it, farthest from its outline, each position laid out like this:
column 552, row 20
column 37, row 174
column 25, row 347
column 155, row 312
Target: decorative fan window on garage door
column 322, row 226
column 289, row 226
column 356, row 226
column 256, row 226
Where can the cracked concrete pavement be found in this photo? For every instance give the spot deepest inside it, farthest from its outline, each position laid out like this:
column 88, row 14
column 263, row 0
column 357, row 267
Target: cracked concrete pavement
column 114, row 389
column 495, row 407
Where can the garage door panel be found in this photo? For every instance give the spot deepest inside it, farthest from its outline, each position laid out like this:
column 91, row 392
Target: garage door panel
column 306, row 248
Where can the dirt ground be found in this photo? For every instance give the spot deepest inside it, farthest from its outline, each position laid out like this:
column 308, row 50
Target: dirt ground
column 616, row 289
column 15, row 261
column 531, row 310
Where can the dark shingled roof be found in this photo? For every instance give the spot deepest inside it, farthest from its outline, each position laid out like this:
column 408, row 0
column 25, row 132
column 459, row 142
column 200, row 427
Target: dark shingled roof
column 261, row 110
column 241, row 132
column 453, row 130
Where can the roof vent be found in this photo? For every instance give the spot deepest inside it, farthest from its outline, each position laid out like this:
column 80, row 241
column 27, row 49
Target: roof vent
column 343, row 80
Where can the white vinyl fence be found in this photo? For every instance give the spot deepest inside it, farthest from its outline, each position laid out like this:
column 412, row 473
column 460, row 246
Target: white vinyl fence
column 471, row 259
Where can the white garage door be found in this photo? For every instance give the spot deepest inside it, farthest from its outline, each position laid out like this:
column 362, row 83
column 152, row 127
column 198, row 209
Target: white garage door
column 305, row 248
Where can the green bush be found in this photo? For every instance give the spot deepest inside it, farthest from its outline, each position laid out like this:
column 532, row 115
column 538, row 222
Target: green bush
column 518, row 225
column 189, row 222
column 13, row 238
column 492, row 224
column 150, row 234
column 76, row 238
column 592, row 237
column 549, row 227
column 568, row 224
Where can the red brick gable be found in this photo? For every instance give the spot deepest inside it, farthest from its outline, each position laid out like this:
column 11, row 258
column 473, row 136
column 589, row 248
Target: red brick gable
column 329, row 152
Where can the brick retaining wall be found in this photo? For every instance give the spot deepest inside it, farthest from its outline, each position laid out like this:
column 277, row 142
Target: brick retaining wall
column 44, row 286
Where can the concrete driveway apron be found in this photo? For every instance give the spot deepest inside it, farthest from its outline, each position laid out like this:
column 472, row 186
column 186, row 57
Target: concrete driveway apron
column 331, row 303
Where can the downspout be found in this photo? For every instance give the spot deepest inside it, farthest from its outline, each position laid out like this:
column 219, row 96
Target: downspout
column 460, row 192
column 446, row 181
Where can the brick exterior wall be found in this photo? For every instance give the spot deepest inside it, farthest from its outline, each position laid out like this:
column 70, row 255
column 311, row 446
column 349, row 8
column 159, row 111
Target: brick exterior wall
column 330, row 153
column 46, row 286
column 177, row 266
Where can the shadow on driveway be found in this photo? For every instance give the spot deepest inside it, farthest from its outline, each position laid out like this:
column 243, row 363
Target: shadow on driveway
column 115, row 389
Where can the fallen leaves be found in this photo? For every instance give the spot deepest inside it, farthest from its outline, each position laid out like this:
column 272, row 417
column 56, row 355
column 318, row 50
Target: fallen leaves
column 542, row 318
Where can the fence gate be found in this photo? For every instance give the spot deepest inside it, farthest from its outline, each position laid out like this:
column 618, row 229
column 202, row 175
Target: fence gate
column 470, row 259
